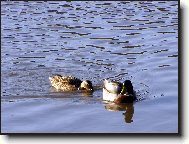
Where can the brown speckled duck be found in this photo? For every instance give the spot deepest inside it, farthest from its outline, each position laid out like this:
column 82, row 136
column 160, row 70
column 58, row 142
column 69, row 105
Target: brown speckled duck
column 70, row 83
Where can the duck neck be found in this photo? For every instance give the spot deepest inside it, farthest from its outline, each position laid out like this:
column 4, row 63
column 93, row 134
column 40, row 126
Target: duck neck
column 123, row 90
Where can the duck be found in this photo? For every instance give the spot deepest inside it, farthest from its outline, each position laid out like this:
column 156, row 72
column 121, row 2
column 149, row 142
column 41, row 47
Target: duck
column 70, row 83
column 118, row 92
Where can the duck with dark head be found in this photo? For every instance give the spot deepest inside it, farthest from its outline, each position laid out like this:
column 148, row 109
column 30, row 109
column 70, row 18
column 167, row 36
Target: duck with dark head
column 118, row 92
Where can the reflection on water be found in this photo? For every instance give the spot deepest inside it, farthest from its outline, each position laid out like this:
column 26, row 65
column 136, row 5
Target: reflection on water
column 127, row 107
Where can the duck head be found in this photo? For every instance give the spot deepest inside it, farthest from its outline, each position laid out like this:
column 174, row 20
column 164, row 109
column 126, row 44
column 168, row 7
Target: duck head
column 86, row 85
column 129, row 86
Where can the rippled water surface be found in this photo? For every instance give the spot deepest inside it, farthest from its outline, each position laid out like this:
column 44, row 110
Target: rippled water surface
column 89, row 40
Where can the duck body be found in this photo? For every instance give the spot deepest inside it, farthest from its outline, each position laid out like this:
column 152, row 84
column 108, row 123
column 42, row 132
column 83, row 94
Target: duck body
column 70, row 83
column 113, row 87
column 107, row 96
column 118, row 92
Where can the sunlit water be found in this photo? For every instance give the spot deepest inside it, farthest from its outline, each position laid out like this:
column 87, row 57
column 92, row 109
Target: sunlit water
column 89, row 40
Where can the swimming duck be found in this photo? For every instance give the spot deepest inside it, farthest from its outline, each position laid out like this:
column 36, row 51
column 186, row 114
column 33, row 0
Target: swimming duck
column 70, row 83
column 118, row 92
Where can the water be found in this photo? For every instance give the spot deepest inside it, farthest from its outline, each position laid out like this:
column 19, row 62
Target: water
column 90, row 40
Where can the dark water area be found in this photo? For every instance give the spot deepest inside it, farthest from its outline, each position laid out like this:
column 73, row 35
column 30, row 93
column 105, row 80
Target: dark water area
column 90, row 40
